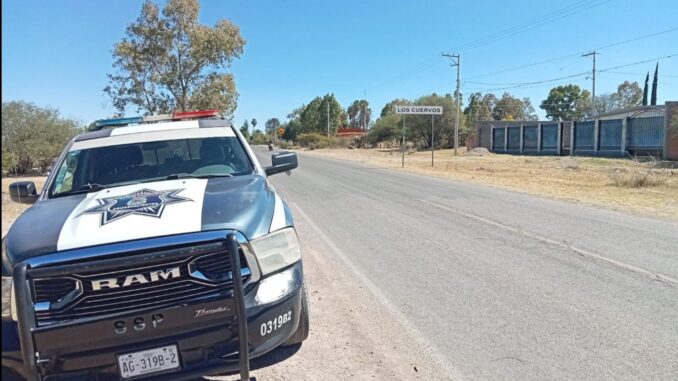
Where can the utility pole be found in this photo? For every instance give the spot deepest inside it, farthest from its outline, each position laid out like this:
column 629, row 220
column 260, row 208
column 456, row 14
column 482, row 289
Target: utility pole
column 456, row 61
column 328, row 119
column 593, row 92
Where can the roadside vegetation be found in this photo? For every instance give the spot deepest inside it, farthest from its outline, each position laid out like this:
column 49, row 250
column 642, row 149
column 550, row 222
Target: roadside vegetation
column 32, row 136
column 645, row 173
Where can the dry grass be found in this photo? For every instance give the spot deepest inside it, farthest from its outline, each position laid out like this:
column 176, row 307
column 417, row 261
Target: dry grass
column 638, row 177
column 591, row 181
column 11, row 210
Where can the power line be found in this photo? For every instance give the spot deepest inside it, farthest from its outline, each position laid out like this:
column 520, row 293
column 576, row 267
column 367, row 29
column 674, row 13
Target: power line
column 531, row 24
column 526, row 83
column 629, row 73
column 575, row 54
column 639, row 62
column 549, row 17
column 512, row 85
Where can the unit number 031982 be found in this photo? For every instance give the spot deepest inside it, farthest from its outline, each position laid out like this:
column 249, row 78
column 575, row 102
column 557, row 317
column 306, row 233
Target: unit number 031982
column 275, row 324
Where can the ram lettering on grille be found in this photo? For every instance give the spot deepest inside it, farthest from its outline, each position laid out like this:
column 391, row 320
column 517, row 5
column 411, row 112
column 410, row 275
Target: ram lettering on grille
column 141, row 278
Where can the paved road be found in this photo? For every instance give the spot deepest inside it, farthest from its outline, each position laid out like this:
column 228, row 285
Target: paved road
column 496, row 284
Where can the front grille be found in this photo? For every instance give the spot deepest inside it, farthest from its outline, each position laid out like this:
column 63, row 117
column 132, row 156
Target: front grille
column 214, row 266
column 45, row 290
column 172, row 278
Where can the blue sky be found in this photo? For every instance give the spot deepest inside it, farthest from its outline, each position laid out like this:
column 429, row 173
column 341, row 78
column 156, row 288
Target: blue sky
column 58, row 53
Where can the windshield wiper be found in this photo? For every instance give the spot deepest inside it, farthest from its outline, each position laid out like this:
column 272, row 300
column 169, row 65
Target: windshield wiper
column 176, row 176
column 86, row 188
column 91, row 186
column 94, row 187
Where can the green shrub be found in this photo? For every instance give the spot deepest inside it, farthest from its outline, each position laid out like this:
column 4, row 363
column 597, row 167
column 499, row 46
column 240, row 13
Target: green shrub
column 314, row 140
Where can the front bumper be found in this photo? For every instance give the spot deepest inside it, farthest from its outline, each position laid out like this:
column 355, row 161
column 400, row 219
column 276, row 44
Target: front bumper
column 206, row 334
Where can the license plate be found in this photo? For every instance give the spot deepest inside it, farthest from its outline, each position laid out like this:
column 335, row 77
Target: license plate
column 150, row 361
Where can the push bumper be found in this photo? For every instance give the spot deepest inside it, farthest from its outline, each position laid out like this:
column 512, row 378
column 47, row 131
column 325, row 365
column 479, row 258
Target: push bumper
column 208, row 335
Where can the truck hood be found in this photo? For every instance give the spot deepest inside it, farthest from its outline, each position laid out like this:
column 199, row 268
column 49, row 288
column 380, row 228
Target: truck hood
column 247, row 204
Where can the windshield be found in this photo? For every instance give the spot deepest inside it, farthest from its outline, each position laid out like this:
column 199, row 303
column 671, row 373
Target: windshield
column 101, row 167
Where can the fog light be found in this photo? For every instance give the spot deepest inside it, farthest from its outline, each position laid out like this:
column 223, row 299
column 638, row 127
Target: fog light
column 275, row 287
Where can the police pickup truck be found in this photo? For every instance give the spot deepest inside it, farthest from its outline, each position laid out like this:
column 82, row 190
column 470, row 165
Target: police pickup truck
column 157, row 249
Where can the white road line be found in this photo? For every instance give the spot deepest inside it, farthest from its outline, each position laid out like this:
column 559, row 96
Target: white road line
column 429, row 348
column 582, row 252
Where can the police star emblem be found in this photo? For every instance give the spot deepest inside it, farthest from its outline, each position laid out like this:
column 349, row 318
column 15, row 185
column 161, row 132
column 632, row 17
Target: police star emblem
column 144, row 202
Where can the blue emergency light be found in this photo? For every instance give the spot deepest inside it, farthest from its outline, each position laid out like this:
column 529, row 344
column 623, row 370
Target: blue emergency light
column 156, row 118
column 118, row 121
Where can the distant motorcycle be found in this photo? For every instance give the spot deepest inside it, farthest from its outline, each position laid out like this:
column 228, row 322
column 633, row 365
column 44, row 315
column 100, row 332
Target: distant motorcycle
column 270, row 146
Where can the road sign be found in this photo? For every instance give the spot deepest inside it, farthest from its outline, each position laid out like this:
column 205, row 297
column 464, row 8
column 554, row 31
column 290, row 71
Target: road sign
column 419, row 110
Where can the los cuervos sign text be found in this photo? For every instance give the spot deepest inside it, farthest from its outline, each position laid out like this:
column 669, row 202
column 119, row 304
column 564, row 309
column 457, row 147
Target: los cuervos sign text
column 419, row 110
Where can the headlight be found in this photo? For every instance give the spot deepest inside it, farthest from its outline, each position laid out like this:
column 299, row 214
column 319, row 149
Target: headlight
column 7, row 295
column 276, row 250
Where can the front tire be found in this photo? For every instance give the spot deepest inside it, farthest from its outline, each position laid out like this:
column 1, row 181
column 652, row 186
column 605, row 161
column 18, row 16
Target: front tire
column 301, row 333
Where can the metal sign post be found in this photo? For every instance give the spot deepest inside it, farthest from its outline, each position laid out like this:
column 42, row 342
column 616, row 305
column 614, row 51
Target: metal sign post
column 432, row 139
column 418, row 110
column 402, row 145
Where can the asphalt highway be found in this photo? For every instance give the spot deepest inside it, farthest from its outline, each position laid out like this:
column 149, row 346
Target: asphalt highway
column 494, row 284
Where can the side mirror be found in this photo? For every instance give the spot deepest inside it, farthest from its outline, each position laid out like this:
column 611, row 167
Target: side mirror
column 23, row 192
column 282, row 162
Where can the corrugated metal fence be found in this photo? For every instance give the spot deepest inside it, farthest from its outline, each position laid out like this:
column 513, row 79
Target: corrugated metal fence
column 605, row 137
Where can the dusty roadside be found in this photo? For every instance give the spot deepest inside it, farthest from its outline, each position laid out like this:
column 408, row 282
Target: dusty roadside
column 577, row 179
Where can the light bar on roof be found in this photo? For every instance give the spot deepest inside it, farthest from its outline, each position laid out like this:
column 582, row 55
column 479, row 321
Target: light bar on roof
column 118, row 121
column 195, row 114
column 157, row 118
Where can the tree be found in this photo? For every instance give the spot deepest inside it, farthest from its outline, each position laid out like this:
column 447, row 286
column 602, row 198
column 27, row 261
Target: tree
column 443, row 125
column 359, row 114
column 509, row 107
column 258, row 137
column 479, row 107
column 568, row 102
column 245, row 129
column 33, row 136
column 293, row 125
column 389, row 108
column 272, row 126
column 292, row 129
column 645, row 92
column 606, row 103
column 386, row 128
column 254, row 125
column 314, row 116
column 418, row 127
column 653, row 98
column 169, row 61
column 629, row 94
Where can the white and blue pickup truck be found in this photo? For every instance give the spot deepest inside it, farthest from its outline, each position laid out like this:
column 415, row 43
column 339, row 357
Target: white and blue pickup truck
column 123, row 267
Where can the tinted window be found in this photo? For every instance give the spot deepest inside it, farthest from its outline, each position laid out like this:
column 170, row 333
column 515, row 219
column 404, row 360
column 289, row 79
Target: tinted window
column 143, row 162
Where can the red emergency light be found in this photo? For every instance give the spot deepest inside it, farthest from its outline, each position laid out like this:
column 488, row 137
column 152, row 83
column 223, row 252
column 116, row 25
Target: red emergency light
column 194, row 114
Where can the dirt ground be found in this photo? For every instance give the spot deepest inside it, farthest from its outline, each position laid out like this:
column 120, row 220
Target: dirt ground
column 578, row 179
